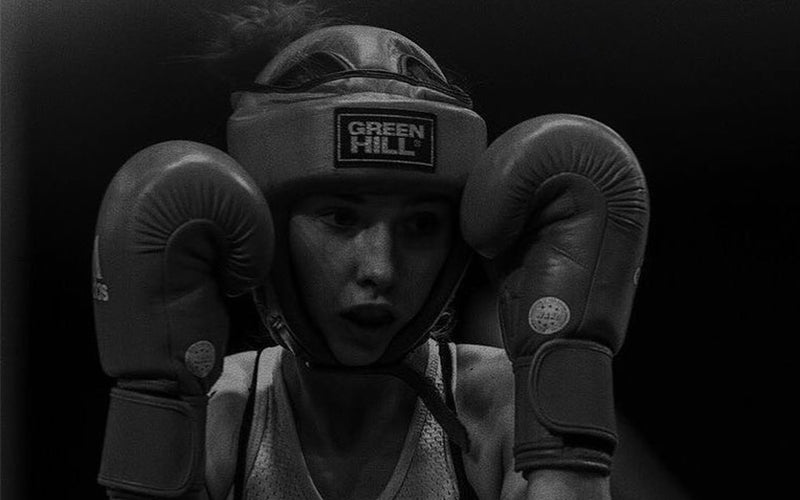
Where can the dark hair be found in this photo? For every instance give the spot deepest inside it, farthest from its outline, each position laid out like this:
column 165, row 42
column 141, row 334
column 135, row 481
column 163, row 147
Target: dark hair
column 244, row 41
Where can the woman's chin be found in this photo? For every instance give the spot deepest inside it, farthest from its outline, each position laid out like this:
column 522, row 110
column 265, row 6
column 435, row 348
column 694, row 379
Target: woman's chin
column 352, row 355
column 355, row 345
column 355, row 351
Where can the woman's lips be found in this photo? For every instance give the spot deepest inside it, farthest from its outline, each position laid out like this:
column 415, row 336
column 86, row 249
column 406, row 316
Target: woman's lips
column 369, row 315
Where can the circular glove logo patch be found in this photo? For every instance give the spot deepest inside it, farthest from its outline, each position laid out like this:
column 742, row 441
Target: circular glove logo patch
column 199, row 358
column 548, row 315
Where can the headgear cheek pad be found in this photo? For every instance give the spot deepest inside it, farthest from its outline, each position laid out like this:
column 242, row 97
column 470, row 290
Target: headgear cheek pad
column 353, row 107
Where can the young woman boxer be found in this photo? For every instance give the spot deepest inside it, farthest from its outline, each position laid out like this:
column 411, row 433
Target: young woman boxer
column 379, row 191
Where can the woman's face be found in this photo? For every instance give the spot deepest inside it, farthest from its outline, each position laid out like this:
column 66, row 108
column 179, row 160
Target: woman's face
column 365, row 264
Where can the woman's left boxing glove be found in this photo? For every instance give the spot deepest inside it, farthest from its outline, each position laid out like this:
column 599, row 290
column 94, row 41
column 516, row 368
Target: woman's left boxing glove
column 559, row 207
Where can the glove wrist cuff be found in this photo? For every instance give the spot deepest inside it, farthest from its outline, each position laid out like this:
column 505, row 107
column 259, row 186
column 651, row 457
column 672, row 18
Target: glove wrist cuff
column 555, row 455
column 154, row 445
column 565, row 407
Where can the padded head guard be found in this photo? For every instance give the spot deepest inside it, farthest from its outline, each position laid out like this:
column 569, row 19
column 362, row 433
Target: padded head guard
column 344, row 108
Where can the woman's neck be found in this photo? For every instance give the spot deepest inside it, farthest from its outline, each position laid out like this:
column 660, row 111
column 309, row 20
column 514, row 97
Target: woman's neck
column 339, row 411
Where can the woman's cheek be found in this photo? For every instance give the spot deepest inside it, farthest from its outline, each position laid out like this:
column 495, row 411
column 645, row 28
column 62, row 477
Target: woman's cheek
column 422, row 273
column 312, row 246
column 311, row 259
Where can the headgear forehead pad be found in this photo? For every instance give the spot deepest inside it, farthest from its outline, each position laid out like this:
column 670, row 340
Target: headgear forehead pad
column 354, row 106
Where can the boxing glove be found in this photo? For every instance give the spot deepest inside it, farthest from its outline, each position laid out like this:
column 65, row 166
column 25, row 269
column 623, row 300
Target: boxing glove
column 559, row 207
column 181, row 227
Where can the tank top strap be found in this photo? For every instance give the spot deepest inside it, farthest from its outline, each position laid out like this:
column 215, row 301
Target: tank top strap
column 253, row 421
column 447, row 357
column 274, row 466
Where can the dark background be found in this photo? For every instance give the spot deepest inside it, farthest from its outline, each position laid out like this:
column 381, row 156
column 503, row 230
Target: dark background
column 705, row 91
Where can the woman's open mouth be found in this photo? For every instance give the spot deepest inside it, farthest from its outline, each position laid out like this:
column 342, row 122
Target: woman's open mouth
column 369, row 316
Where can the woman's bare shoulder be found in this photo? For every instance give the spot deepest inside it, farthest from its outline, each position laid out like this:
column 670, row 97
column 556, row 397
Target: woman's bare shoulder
column 485, row 404
column 226, row 407
column 485, row 380
column 226, row 404
column 237, row 371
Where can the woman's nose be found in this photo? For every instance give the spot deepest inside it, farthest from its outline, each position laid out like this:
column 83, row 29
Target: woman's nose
column 375, row 249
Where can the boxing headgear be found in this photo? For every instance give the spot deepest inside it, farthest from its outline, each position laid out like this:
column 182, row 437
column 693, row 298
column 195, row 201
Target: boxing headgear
column 352, row 106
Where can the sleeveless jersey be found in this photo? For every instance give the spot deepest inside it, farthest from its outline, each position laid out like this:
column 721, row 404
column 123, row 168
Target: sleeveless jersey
column 276, row 468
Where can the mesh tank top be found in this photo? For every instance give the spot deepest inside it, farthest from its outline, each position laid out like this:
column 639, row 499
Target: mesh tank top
column 276, row 468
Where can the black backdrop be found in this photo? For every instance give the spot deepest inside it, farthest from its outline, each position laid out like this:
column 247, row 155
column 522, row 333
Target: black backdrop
column 705, row 91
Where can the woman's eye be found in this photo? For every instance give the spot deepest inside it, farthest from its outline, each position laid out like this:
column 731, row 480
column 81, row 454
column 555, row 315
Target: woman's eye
column 423, row 224
column 343, row 218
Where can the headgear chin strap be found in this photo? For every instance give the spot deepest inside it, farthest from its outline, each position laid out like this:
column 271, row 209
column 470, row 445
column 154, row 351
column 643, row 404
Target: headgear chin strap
column 345, row 107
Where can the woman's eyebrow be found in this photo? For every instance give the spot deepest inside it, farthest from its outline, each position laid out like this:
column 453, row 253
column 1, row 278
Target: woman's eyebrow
column 350, row 198
column 427, row 198
column 411, row 200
